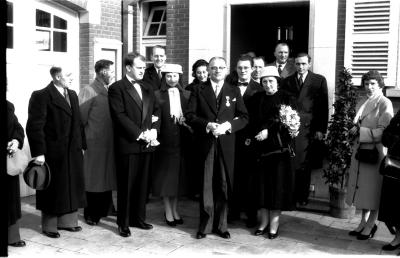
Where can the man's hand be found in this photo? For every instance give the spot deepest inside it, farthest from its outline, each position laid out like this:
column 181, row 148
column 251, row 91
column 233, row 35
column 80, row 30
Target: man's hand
column 211, row 127
column 39, row 160
column 12, row 146
column 222, row 128
column 354, row 130
column 319, row 135
column 261, row 136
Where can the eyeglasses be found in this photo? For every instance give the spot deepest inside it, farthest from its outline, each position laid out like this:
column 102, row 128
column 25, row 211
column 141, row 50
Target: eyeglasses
column 215, row 68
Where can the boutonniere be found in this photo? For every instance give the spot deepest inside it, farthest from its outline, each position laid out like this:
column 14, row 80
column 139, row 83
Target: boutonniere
column 228, row 104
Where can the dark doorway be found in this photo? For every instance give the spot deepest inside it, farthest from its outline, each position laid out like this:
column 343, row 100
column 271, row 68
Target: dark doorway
column 258, row 27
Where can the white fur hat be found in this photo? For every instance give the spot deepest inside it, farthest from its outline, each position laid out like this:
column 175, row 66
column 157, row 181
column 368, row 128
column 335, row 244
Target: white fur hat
column 269, row 71
column 171, row 68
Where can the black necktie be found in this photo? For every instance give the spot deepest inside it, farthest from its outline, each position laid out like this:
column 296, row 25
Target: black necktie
column 243, row 83
column 301, row 81
column 159, row 74
column 280, row 69
column 66, row 96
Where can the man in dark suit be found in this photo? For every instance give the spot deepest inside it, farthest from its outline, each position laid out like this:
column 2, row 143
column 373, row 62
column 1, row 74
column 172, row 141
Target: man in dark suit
column 135, row 114
column 56, row 136
column 258, row 65
column 152, row 75
column 309, row 94
column 285, row 66
column 216, row 111
column 242, row 198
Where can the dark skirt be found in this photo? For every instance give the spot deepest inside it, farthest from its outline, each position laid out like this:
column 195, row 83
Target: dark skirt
column 168, row 177
column 14, row 199
column 276, row 182
column 389, row 209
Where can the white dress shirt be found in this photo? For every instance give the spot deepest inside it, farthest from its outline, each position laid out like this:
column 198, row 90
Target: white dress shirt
column 214, row 86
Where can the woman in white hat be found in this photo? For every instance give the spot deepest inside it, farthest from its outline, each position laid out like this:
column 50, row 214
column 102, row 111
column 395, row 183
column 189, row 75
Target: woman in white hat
column 168, row 176
column 272, row 143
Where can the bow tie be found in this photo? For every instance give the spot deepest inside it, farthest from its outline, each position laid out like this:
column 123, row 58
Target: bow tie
column 243, row 83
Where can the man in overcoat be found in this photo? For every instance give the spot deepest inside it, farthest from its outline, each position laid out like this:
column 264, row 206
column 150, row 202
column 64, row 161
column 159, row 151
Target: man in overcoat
column 56, row 136
column 152, row 75
column 308, row 93
column 243, row 186
column 216, row 111
column 99, row 158
column 282, row 62
column 135, row 113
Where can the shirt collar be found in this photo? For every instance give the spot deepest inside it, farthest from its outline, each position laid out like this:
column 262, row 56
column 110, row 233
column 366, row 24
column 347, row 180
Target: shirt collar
column 60, row 89
column 220, row 84
column 304, row 75
column 130, row 78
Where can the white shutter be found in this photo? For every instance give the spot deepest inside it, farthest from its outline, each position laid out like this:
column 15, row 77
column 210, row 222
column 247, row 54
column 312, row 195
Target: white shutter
column 372, row 30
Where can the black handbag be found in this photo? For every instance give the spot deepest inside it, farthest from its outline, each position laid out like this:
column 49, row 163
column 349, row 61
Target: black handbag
column 370, row 156
column 390, row 167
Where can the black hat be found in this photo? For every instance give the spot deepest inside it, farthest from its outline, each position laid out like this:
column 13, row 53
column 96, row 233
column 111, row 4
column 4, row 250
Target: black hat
column 37, row 176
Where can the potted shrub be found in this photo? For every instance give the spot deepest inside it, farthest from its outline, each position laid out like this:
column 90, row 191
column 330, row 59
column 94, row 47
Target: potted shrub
column 339, row 144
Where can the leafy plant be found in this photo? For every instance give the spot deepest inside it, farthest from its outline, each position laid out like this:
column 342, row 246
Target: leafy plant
column 339, row 141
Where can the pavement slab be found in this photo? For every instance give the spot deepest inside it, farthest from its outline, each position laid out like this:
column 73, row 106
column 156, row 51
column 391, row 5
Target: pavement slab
column 301, row 232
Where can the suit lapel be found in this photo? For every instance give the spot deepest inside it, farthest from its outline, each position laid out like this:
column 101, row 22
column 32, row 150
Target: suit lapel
column 58, row 100
column 146, row 102
column 207, row 91
column 132, row 92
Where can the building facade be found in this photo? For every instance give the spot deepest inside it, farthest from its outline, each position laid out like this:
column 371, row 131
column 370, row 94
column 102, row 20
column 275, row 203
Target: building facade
column 357, row 34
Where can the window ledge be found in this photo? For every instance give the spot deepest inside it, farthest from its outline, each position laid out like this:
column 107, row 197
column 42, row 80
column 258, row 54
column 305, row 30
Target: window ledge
column 394, row 92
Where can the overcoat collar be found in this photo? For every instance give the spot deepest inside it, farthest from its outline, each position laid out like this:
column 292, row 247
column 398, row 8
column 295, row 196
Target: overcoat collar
column 99, row 87
column 58, row 100
column 208, row 93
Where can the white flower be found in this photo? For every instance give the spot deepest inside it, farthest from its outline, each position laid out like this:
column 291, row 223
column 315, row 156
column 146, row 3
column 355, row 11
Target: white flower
column 290, row 119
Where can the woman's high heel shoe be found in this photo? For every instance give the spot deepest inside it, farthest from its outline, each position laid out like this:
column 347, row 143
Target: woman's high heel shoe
column 169, row 223
column 274, row 235
column 370, row 235
column 355, row 233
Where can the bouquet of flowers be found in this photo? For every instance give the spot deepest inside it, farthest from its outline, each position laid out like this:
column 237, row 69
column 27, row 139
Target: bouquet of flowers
column 290, row 119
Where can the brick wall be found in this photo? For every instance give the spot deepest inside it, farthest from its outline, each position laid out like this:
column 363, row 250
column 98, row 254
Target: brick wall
column 109, row 27
column 341, row 29
column 178, row 34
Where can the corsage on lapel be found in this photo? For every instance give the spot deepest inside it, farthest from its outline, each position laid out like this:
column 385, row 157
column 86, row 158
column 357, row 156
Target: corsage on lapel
column 227, row 104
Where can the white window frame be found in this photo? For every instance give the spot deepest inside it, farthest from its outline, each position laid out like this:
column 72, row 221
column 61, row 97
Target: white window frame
column 149, row 23
column 391, row 37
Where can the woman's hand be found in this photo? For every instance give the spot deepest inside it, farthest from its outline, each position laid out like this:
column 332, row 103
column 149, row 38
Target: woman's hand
column 261, row 136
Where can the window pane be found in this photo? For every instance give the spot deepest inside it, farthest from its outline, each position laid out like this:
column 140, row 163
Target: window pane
column 165, row 17
column 153, row 30
column 10, row 37
column 163, row 30
column 42, row 40
column 59, row 23
column 149, row 53
column 42, row 18
column 59, row 41
column 10, row 13
column 157, row 15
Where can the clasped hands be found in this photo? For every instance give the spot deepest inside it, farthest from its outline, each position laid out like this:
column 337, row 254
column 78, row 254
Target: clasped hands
column 218, row 129
column 149, row 136
column 262, row 135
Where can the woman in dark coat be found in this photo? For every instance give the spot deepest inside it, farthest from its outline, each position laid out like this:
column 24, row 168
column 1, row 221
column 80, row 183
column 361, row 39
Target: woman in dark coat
column 389, row 210
column 169, row 160
column 273, row 145
column 15, row 140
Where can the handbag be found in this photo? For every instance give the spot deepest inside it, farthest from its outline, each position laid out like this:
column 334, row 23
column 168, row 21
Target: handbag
column 17, row 163
column 368, row 155
column 390, row 167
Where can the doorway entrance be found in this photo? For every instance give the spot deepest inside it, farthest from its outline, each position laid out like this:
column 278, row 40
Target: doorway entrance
column 259, row 27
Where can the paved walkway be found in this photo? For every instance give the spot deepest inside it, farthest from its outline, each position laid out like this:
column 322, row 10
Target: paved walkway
column 301, row 232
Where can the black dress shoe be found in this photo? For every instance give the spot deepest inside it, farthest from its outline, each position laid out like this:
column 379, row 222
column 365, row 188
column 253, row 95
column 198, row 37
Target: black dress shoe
column 71, row 229
column 143, row 225
column 91, row 222
column 178, row 221
column 20, row 243
column 222, row 234
column 355, row 233
column 200, row 235
column 169, row 223
column 51, row 234
column 260, row 232
column 273, row 235
column 124, row 231
column 370, row 235
column 390, row 247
